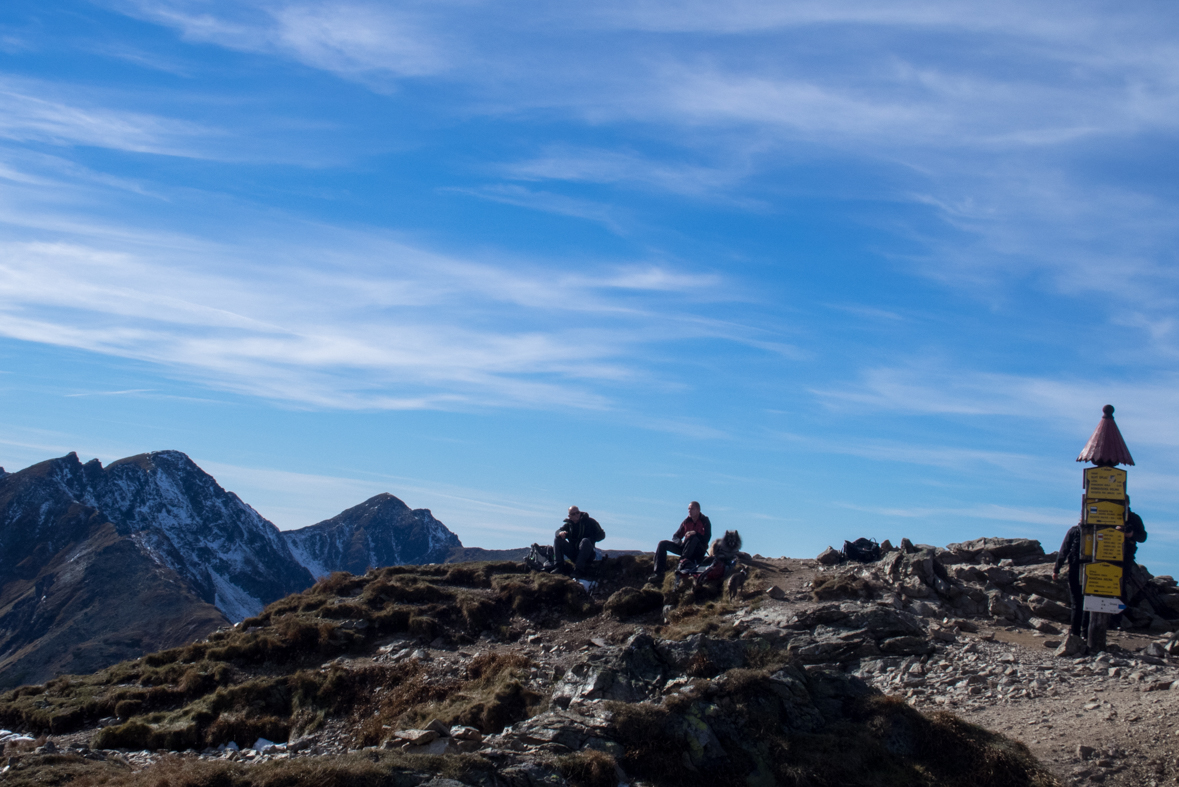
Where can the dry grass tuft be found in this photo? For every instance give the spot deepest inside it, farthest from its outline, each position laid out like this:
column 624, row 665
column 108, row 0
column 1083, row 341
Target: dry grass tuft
column 629, row 602
column 493, row 663
column 589, row 768
column 536, row 592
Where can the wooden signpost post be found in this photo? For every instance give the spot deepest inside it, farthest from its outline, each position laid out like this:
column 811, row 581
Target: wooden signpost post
column 1104, row 508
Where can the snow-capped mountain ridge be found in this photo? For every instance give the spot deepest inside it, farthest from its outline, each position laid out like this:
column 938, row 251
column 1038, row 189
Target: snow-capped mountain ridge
column 231, row 556
column 98, row 563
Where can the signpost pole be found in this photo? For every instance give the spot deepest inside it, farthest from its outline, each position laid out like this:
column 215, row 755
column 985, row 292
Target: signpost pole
column 1103, row 509
column 1098, row 625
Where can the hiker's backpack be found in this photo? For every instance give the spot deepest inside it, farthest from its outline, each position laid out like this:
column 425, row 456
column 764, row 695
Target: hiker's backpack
column 539, row 558
column 862, row 550
column 712, row 572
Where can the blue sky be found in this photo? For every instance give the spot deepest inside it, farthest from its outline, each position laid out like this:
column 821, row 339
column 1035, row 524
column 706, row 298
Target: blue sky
column 833, row 269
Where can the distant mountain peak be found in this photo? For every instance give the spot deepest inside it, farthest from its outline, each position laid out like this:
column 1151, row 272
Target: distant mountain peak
column 381, row 531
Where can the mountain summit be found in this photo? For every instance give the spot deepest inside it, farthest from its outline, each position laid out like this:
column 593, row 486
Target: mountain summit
column 230, row 556
column 381, row 531
column 99, row 564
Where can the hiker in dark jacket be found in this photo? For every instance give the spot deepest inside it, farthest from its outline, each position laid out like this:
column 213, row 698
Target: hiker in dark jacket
column 1134, row 532
column 575, row 539
column 1070, row 552
column 689, row 542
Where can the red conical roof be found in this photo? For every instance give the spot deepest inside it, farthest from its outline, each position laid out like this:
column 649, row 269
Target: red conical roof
column 1106, row 446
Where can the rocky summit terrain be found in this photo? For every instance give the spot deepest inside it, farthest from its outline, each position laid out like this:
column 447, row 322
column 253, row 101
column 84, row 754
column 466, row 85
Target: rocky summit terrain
column 100, row 564
column 930, row 666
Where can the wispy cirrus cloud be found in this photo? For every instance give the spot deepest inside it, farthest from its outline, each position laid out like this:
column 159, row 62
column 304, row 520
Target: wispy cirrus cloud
column 369, row 42
column 351, row 320
column 1148, row 408
column 611, row 217
column 942, row 456
column 622, row 167
column 39, row 111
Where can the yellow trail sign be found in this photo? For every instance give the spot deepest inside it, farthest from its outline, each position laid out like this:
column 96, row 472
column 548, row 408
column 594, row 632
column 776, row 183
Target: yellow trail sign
column 1105, row 483
column 1110, row 545
column 1103, row 579
column 1101, row 513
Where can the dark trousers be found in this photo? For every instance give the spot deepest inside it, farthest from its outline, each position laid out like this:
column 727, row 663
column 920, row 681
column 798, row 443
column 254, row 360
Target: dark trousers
column 693, row 548
column 581, row 555
column 1080, row 624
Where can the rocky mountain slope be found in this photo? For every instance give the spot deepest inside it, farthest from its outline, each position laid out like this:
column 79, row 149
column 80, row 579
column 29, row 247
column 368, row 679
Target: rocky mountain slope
column 381, row 531
column 230, row 556
column 482, row 674
column 72, row 587
column 103, row 563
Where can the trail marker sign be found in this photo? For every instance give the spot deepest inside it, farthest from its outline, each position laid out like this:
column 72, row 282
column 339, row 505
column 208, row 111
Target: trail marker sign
column 1109, row 544
column 1105, row 483
column 1102, row 579
column 1101, row 512
column 1111, row 606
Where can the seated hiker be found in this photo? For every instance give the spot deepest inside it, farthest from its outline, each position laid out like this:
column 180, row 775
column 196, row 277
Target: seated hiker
column 690, row 542
column 575, row 540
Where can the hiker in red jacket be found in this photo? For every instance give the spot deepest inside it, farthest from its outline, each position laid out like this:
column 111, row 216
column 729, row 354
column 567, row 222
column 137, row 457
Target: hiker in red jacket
column 689, row 542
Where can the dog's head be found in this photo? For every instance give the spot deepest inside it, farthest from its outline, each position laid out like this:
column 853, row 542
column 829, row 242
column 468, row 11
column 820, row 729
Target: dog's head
column 732, row 540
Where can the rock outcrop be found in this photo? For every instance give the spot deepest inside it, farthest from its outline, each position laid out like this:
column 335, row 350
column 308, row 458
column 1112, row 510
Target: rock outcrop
column 1009, row 579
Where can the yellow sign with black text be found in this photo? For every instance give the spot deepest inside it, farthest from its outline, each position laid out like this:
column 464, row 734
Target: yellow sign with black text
column 1105, row 483
column 1103, row 579
column 1109, row 544
column 1102, row 513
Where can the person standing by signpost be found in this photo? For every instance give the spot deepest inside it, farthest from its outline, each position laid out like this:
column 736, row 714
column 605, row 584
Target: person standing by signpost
column 1070, row 552
column 1133, row 534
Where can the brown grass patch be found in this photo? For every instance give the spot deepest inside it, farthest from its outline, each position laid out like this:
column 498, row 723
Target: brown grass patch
column 629, row 602
column 538, row 591
column 589, row 768
column 492, row 697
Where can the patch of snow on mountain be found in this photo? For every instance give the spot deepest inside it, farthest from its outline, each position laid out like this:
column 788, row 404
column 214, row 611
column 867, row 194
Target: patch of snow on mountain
column 309, row 557
column 235, row 603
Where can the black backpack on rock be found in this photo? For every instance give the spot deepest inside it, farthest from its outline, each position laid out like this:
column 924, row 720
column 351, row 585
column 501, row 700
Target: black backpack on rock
column 539, row 558
column 862, row 550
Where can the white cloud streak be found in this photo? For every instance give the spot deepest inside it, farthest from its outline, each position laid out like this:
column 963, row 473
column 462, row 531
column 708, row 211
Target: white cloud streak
column 368, row 42
column 37, row 111
column 349, row 320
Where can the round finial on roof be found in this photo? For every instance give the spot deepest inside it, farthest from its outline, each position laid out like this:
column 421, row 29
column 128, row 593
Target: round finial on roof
column 1108, row 410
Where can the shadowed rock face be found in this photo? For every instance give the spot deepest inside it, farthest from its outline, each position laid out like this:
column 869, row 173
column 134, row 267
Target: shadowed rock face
column 226, row 554
column 73, row 587
column 229, row 555
column 381, row 531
